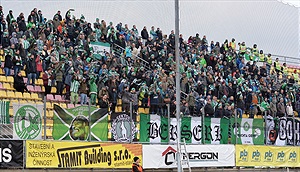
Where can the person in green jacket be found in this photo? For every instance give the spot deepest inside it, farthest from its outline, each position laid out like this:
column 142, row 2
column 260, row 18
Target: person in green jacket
column 264, row 105
column 93, row 90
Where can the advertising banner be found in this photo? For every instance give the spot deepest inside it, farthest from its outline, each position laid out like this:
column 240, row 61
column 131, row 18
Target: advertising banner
column 74, row 123
column 275, row 156
column 164, row 156
column 63, row 154
column 27, row 123
column 282, row 131
column 11, row 154
column 248, row 131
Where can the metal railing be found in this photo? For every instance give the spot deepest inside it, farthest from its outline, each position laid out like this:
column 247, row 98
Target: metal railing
column 119, row 51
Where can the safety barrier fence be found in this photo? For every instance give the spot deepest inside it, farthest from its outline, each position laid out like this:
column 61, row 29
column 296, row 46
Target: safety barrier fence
column 90, row 137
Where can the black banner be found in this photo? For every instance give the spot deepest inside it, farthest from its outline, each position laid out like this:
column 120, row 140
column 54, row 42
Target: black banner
column 11, row 153
column 123, row 128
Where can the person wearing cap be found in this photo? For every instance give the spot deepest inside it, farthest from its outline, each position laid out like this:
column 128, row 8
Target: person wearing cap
column 136, row 167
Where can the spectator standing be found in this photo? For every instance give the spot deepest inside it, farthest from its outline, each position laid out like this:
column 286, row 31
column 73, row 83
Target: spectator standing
column 31, row 69
column 8, row 64
column 47, row 80
column 83, row 91
column 74, row 88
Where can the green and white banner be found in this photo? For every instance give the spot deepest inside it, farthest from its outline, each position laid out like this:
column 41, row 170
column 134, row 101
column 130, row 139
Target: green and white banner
column 4, row 112
column 154, row 129
column 74, row 123
column 99, row 48
column 247, row 131
column 27, row 123
column 216, row 130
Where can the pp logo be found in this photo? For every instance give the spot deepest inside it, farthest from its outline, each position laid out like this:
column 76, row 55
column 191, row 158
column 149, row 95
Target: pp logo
column 268, row 156
column 256, row 156
column 293, row 157
column 280, row 156
column 244, row 155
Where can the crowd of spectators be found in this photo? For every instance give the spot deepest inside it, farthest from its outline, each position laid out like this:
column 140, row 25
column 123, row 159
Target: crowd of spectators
column 216, row 79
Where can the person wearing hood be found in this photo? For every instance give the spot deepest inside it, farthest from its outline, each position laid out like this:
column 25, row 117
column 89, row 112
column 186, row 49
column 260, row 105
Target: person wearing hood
column 14, row 39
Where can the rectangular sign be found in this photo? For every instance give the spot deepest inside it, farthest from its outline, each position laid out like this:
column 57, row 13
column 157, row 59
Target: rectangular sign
column 27, row 123
column 54, row 154
column 164, row 156
column 247, row 155
column 247, row 131
column 11, row 153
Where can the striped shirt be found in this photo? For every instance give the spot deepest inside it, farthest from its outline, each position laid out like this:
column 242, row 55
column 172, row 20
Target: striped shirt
column 74, row 86
column 26, row 44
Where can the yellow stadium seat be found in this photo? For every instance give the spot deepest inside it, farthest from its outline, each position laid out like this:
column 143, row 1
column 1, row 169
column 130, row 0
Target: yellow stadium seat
column 3, row 94
column 63, row 105
column 10, row 79
column 23, row 73
column 141, row 110
column 19, row 95
column 49, row 105
column 146, row 110
column 49, row 114
column 26, row 96
column 2, row 79
column 11, row 112
column 245, row 116
column 1, row 71
column 23, row 102
column 53, row 90
column 39, row 82
column 49, row 122
column 119, row 102
column 11, row 95
column 48, row 132
column 35, row 96
column 8, row 86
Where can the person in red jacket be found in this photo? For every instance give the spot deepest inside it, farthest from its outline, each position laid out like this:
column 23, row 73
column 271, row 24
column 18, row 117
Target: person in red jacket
column 136, row 167
column 47, row 80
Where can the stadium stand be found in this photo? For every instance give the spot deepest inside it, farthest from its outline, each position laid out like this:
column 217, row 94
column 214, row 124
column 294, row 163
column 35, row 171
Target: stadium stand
column 57, row 60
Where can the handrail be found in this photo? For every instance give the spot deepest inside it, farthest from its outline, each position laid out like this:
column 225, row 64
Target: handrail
column 133, row 55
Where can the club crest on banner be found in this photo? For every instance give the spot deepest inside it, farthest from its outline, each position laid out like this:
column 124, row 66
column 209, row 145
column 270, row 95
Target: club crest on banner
column 123, row 128
column 27, row 123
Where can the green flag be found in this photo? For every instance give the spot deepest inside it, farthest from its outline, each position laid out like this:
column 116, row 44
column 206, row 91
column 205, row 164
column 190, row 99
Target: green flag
column 74, row 123
column 216, row 130
column 247, row 131
column 154, row 129
column 4, row 112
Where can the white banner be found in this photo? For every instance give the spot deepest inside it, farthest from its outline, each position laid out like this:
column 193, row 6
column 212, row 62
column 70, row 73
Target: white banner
column 164, row 156
column 27, row 123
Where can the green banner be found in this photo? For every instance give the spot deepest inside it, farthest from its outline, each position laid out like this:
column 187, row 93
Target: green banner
column 216, row 130
column 247, row 131
column 74, row 123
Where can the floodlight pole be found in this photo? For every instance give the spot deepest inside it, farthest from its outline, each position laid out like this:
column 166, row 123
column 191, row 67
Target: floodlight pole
column 179, row 169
